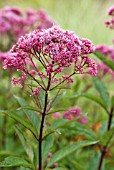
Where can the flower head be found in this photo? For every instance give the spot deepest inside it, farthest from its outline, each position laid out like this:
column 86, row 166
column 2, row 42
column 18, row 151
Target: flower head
column 108, row 52
column 13, row 23
column 55, row 50
column 111, row 11
column 11, row 20
column 110, row 23
column 74, row 112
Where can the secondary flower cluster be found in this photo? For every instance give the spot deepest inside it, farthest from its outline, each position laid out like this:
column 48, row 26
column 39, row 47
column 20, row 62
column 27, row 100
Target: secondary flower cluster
column 74, row 112
column 54, row 49
column 108, row 52
column 13, row 23
column 110, row 23
column 71, row 113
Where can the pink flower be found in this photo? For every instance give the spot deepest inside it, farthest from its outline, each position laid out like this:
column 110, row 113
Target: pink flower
column 36, row 91
column 38, row 19
column 74, row 112
column 108, row 52
column 55, row 50
column 13, row 23
column 110, row 23
column 57, row 115
column 111, row 11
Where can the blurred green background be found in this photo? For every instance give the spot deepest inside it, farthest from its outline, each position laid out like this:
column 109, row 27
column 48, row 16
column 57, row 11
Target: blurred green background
column 85, row 17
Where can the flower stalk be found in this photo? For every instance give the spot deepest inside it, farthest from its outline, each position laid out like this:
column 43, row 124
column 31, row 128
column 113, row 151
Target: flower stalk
column 42, row 124
column 54, row 50
column 104, row 148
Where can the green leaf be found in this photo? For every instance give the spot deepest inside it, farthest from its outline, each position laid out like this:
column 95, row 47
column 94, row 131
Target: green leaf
column 42, row 97
column 107, row 136
column 68, row 150
column 59, row 168
column 83, row 130
column 23, row 168
column 31, row 85
column 62, row 87
column 56, row 110
column 58, row 123
column 4, row 154
column 24, row 141
column 76, row 86
column 47, row 132
column 20, row 120
column 59, row 97
column 30, row 108
column 94, row 160
column 35, row 152
column 109, row 63
column 97, row 100
column 77, row 165
column 112, row 102
column 29, row 113
column 100, row 87
column 46, row 146
column 12, row 161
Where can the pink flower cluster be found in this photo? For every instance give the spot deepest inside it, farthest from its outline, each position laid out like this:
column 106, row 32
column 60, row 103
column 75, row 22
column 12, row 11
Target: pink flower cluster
column 13, row 23
column 110, row 23
column 13, row 20
column 54, row 49
column 70, row 114
column 108, row 52
column 74, row 112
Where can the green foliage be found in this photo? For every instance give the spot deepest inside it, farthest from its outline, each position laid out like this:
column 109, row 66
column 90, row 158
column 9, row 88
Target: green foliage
column 94, row 161
column 80, row 129
column 79, row 154
column 56, row 110
column 42, row 97
column 17, row 118
column 109, row 63
column 26, row 145
column 58, row 98
column 12, row 161
column 68, row 150
column 46, row 146
column 91, row 97
column 112, row 102
column 35, row 158
column 29, row 112
column 60, row 168
column 30, row 108
column 106, row 137
column 100, row 87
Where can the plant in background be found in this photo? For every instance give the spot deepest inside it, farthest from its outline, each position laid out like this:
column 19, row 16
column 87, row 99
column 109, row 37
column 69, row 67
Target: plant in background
column 14, row 23
column 46, row 60
column 106, row 67
column 108, row 52
column 70, row 114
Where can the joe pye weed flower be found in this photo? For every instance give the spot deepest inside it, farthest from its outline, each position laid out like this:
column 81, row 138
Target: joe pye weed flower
column 47, row 59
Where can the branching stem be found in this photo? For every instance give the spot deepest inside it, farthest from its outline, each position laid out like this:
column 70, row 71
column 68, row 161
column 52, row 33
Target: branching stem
column 104, row 148
column 42, row 124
